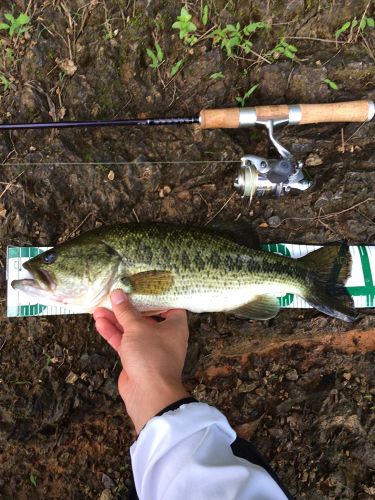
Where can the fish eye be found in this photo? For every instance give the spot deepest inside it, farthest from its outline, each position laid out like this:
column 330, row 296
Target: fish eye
column 49, row 258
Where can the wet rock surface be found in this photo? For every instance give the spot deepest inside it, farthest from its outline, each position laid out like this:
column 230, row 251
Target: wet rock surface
column 301, row 386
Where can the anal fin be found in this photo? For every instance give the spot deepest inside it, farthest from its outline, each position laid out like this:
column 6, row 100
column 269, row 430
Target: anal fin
column 261, row 307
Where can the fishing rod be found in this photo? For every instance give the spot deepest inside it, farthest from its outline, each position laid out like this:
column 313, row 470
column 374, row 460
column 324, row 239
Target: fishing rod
column 256, row 175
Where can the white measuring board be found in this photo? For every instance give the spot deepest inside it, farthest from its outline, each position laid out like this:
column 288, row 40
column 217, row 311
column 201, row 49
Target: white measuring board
column 360, row 285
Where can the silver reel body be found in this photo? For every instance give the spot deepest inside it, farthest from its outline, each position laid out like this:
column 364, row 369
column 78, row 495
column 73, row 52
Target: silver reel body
column 260, row 176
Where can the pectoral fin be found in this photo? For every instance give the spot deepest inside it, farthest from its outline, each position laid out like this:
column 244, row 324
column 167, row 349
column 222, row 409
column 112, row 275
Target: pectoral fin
column 261, row 307
column 148, row 282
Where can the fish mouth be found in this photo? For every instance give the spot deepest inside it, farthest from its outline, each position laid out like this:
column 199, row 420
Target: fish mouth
column 43, row 279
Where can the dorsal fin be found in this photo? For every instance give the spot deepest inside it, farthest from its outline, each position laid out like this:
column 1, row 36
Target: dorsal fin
column 240, row 232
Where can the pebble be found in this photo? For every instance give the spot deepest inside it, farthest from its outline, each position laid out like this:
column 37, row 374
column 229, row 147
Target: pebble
column 313, row 160
column 292, row 375
column 108, row 482
column 324, row 199
column 106, row 495
column 110, row 389
column 274, row 221
column 71, row 378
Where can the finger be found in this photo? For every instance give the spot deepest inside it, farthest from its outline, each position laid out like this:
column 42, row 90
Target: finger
column 126, row 314
column 109, row 332
column 102, row 312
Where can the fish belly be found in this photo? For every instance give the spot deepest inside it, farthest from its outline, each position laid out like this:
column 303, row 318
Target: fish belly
column 209, row 300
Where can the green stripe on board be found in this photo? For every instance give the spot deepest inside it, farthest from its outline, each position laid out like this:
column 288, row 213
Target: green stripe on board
column 368, row 289
column 31, row 310
column 13, row 252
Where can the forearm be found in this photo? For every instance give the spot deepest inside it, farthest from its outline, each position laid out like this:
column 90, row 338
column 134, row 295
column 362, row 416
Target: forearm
column 187, row 453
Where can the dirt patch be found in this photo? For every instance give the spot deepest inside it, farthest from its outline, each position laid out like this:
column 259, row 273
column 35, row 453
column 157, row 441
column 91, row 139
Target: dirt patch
column 300, row 386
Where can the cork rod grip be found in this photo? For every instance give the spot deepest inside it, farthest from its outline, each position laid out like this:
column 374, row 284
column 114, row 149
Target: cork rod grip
column 220, row 118
column 353, row 111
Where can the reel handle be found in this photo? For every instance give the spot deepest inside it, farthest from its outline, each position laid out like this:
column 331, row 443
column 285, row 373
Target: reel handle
column 296, row 114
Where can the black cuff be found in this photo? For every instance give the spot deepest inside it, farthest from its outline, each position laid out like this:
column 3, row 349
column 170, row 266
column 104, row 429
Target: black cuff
column 176, row 405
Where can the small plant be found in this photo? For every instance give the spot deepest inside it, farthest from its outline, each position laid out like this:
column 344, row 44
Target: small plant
column 241, row 100
column 365, row 22
column 9, row 55
column 4, row 82
column 157, row 58
column 186, row 27
column 285, row 49
column 232, row 36
column 204, row 15
column 331, row 84
column 217, row 76
column 16, row 26
column 176, row 67
column 33, row 479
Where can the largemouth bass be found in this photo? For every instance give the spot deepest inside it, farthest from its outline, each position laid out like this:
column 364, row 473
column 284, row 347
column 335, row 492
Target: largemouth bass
column 199, row 269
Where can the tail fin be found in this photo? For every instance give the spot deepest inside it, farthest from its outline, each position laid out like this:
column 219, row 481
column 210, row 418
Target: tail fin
column 331, row 267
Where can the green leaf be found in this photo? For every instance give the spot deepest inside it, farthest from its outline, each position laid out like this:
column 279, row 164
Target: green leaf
column 331, row 84
column 247, row 46
column 250, row 28
column 154, row 59
column 176, row 67
column 4, row 26
column 370, row 22
column 159, row 52
column 205, row 15
column 33, row 479
column 250, row 91
column 191, row 27
column 216, row 76
column 289, row 54
column 354, row 23
column 5, row 82
column 362, row 24
column 9, row 17
column 184, row 16
column 192, row 40
column 22, row 19
column 343, row 28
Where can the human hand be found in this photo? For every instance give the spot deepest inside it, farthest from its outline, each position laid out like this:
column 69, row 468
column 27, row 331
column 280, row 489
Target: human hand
column 152, row 355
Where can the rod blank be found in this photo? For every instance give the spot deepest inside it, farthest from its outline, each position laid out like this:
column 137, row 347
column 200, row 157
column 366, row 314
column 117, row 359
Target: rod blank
column 138, row 122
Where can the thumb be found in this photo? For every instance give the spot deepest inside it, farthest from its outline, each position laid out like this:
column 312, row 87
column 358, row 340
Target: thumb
column 126, row 314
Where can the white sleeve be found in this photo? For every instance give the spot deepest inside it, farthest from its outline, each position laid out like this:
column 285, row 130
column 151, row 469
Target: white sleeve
column 186, row 454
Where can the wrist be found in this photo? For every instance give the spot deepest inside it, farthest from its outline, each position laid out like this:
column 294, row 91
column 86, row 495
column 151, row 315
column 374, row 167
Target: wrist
column 146, row 401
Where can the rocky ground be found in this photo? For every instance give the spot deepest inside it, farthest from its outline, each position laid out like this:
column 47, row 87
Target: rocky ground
column 300, row 386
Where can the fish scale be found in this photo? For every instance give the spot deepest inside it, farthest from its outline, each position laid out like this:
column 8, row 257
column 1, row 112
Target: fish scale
column 199, row 261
